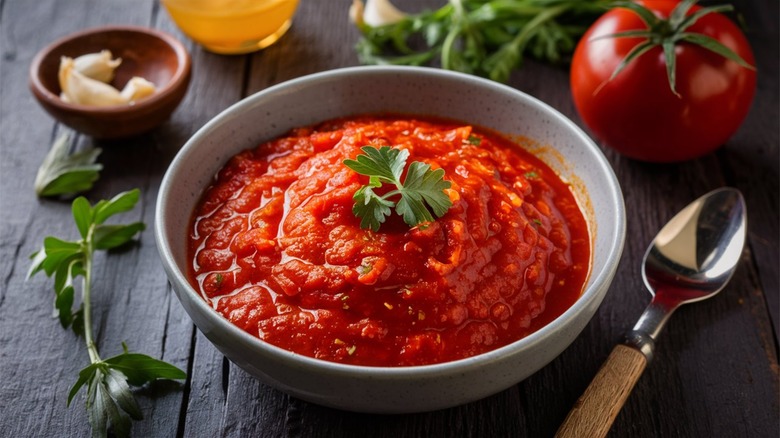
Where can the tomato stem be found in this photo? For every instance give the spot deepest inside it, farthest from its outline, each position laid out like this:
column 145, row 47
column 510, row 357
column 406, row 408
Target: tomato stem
column 668, row 33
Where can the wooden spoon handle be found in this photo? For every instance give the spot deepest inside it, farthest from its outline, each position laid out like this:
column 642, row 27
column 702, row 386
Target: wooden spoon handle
column 596, row 409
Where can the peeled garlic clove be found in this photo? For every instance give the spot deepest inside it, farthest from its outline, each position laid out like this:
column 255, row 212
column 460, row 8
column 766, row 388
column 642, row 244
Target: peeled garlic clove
column 375, row 13
column 97, row 66
column 137, row 88
column 79, row 89
column 356, row 12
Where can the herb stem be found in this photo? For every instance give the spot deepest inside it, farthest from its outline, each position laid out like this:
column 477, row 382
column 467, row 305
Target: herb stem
column 529, row 29
column 458, row 14
column 392, row 193
column 94, row 356
column 109, row 401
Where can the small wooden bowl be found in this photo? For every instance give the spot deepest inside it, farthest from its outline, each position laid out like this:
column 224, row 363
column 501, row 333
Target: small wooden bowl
column 148, row 53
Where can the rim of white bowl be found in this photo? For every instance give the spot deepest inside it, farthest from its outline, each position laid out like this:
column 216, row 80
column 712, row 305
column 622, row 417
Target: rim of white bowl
column 597, row 279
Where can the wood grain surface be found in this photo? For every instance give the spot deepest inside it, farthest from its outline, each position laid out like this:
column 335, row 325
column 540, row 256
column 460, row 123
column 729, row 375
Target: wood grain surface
column 715, row 373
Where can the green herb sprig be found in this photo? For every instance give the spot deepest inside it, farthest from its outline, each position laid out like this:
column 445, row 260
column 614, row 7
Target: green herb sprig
column 483, row 37
column 420, row 187
column 109, row 399
column 64, row 174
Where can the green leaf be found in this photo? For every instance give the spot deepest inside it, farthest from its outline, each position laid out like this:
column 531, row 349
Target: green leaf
column 140, row 368
column 413, row 209
column 61, row 173
column 85, row 375
column 72, row 182
column 82, row 215
column 429, row 185
column 112, row 236
column 103, row 410
column 37, row 262
column 120, row 203
column 116, row 382
column 385, row 163
column 421, row 186
column 64, row 290
column 57, row 252
column 67, row 272
column 371, row 208
column 97, row 412
column 64, row 304
column 500, row 64
column 77, row 324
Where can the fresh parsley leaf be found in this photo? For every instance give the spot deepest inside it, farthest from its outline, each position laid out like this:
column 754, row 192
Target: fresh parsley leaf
column 385, row 163
column 65, row 174
column 109, row 401
column 371, row 208
column 422, row 188
column 429, row 185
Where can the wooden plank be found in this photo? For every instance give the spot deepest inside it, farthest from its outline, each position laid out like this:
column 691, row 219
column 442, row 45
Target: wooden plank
column 752, row 165
column 44, row 358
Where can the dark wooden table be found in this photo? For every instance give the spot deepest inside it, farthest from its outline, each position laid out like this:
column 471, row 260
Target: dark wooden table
column 716, row 370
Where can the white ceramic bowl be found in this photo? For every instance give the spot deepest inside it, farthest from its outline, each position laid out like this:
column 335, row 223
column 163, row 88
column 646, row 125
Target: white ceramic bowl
column 351, row 91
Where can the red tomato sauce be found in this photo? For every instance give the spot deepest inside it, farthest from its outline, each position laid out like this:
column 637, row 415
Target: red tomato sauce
column 276, row 249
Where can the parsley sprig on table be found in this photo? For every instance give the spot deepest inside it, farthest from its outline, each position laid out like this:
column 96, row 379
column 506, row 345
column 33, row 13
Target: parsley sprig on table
column 420, row 187
column 483, row 37
column 109, row 399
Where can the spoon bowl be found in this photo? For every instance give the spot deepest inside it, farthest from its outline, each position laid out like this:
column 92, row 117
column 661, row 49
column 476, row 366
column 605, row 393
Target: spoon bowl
column 691, row 259
column 695, row 254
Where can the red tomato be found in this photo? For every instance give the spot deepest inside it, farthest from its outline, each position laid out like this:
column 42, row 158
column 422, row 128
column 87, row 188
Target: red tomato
column 637, row 113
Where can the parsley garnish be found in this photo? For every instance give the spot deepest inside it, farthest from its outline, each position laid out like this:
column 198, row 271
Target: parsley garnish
column 109, row 399
column 420, row 187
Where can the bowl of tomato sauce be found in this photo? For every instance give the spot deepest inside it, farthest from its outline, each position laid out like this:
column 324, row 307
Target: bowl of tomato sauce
column 390, row 239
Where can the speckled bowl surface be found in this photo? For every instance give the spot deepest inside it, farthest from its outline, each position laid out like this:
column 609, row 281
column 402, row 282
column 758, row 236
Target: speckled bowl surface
column 360, row 90
column 148, row 53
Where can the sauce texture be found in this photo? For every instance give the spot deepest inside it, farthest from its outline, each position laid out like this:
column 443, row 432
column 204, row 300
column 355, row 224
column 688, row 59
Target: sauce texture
column 276, row 249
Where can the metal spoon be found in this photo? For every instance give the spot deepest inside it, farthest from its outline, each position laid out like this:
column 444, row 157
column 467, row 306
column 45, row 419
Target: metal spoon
column 691, row 259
